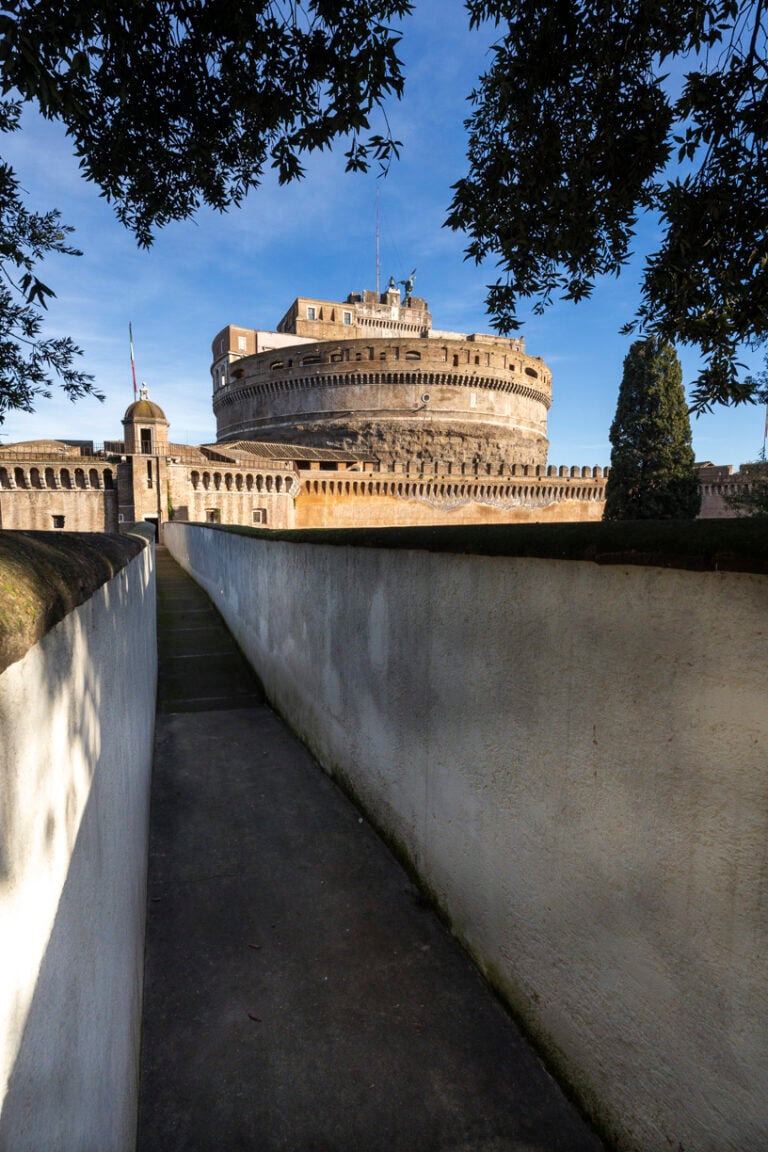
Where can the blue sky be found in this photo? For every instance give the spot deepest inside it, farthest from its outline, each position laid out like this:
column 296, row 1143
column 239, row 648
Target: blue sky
column 317, row 238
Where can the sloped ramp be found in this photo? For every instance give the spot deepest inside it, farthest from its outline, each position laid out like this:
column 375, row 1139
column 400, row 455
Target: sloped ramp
column 300, row 994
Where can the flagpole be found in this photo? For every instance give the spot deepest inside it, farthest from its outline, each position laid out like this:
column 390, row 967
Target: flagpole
column 133, row 362
column 378, row 244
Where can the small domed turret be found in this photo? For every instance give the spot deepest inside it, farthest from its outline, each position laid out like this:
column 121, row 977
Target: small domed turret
column 145, row 427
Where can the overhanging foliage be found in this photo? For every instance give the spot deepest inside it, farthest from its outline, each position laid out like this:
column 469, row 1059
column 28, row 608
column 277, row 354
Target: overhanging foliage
column 571, row 135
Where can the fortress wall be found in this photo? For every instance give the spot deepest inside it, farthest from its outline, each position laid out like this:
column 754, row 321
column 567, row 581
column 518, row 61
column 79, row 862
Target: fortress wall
column 83, row 511
column 77, row 722
column 574, row 757
column 237, row 494
column 326, row 504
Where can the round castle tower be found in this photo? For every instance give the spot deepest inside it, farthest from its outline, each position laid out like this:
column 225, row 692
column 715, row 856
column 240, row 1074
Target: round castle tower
column 370, row 375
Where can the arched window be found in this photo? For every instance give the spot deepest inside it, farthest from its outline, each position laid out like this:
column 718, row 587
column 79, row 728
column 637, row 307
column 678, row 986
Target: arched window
column 93, row 478
column 217, row 480
column 19, row 477
column 34, row 478
column 4, row 482
column 109, row 480
column 228, row 481
column 195, row 478
column 249, row 482
column 66, row 479
column 206, row 480
column 239, row 482
column 50, row 478
column 411, row 355
column 79, row 478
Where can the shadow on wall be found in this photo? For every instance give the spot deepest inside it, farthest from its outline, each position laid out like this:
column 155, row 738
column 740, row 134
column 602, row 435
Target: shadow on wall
column 77, row 717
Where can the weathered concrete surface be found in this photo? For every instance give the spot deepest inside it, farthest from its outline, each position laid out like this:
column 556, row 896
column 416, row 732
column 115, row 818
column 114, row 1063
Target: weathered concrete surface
column 44, row 575
column 76, row 732
column 574, row 758
column 300, row 995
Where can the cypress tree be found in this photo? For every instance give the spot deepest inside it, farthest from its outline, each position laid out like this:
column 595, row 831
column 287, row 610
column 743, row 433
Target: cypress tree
column 652, row 470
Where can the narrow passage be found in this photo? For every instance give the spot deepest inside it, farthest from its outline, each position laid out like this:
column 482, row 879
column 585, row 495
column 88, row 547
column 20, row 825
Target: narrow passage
column 300, row 994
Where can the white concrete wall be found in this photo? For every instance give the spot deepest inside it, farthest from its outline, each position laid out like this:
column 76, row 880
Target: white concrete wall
column 77, row 724
column 575, row 759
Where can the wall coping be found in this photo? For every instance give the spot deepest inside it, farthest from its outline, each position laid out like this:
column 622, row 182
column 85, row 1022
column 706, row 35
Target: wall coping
column 735, row 545
column 44, row 575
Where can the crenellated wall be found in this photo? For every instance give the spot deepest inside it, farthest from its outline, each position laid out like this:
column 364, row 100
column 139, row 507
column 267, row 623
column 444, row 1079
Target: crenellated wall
column 77, row 697
column 573, row 755
column 720, row 481
column 412, row 493
column 47, row 493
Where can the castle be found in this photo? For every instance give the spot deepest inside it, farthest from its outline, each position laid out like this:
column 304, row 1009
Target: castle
column 349, row 414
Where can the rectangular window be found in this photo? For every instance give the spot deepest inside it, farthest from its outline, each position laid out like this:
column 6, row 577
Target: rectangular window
column 146, row 440
column 58, row 521
column 347, row 319
column 311, row 312
column 149, row 473
column 241, row 344
column 213, row 515
column 259, row 515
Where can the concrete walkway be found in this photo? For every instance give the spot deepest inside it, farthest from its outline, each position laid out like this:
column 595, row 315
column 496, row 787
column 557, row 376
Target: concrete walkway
column 300, row 994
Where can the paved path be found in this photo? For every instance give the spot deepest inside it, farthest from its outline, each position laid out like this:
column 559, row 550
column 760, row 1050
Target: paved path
column 300, row 995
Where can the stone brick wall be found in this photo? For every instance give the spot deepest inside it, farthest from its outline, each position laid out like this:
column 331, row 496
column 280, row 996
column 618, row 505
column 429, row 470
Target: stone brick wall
column 45, row 494
column 232, row 494
column 435, row 398
column 383, row 497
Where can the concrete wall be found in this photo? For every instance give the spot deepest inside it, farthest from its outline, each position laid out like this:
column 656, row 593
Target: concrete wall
column 77, row 723
column 574, row 758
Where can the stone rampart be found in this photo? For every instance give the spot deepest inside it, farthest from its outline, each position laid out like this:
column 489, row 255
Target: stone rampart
column 573, row 756
column 77, row 697
column 410, row 493
column 719, row 482
column 50, row 492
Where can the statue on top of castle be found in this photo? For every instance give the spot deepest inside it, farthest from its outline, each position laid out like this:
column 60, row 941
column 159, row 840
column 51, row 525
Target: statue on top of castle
column 408, row 284
column 391, row 287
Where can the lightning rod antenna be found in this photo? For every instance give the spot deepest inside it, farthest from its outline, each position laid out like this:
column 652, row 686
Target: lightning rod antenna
column 378, row 238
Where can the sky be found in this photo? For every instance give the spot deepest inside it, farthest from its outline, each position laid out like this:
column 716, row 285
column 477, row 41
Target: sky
column 317, row 238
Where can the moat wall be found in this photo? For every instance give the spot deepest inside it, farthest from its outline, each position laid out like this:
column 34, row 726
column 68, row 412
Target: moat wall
column 572, row 756
column 77, row 722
